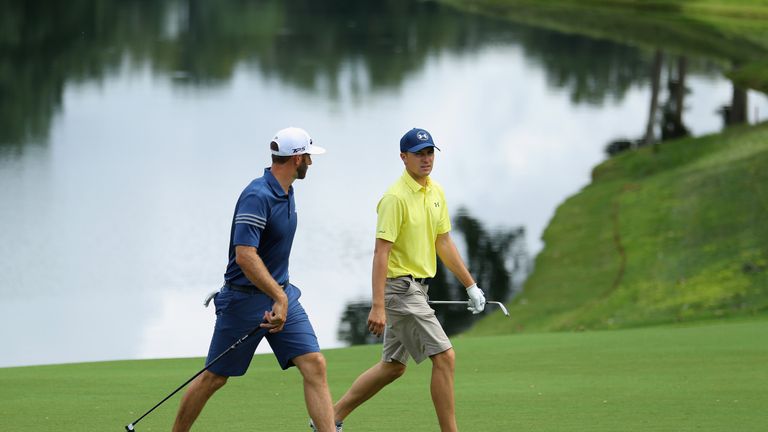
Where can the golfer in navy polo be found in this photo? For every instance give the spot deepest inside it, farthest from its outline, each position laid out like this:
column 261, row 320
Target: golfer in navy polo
column 257, row 291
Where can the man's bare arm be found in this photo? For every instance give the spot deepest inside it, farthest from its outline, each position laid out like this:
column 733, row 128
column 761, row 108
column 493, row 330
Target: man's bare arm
column 250, row 262
column 377, row 318
column 449, row 255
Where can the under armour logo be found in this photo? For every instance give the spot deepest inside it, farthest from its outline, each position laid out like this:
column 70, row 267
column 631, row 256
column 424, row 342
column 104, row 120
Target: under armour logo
column 437, row 204
column 422, row 135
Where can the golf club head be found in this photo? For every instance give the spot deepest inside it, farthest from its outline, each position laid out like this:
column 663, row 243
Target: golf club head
column 207, row 300
column 501, row 305
column 130, row 428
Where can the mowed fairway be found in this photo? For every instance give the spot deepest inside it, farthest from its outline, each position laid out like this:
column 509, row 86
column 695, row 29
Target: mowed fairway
column 703, row 377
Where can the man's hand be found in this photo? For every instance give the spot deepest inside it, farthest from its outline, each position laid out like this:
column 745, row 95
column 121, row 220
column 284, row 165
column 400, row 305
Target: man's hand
column 476, row 299
column 275, row 319
column 377, row 319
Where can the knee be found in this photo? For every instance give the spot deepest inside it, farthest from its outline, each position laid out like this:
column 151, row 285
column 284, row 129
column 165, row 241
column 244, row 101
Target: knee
column 394, row 370
column 211, row 381
column 445, row 360
column 312, row 365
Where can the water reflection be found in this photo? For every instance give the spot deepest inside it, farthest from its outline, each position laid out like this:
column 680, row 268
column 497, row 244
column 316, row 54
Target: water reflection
column 128, row 129
column 312, row 45
column 334, row 48
column 665, row 119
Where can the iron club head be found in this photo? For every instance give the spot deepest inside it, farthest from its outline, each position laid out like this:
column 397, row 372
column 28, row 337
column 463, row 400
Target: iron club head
column 501, row 305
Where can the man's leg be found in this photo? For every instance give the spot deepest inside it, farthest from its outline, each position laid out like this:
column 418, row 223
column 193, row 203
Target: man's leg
column 316, row 393
column 198, row 393
column 366, row 385
column 442, row 389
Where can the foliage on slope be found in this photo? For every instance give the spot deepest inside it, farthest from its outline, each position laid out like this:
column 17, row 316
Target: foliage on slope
column 665, row 234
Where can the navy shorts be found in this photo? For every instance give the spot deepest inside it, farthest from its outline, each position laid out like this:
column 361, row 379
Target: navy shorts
column 237, row 313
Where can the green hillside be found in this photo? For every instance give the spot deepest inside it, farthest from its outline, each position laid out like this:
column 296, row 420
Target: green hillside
column 658, row 236
column 676, row 378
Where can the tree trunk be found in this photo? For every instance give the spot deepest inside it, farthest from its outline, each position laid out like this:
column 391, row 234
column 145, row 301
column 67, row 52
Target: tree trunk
column 655, row 83
column 682, row 66
column 738, row 114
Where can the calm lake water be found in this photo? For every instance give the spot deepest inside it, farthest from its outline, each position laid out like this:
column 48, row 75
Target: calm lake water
column 129, row 129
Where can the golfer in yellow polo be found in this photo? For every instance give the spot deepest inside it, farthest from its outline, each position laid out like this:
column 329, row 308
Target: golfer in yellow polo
column 412, row 230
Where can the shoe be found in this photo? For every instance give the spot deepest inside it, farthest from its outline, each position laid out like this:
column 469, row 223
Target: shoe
column 312, row 426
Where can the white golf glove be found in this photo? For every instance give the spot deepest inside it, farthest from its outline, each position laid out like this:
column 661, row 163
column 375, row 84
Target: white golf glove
column 476, row 299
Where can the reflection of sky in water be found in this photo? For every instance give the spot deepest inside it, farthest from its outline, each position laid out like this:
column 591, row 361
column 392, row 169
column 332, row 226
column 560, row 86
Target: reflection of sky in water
column 114, row 233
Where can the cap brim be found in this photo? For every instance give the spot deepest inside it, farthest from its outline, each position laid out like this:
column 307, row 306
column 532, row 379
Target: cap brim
column 421, row 147
column 315, row 150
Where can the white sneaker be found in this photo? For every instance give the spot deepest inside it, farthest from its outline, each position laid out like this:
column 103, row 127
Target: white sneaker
column 312, row 426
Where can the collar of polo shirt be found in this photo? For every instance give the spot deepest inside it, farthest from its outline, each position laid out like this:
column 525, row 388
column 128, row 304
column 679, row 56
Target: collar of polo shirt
column 413, row 184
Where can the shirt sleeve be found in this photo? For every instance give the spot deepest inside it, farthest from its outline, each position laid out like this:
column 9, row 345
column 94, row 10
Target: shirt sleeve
column 390, row 218
column 250, row 220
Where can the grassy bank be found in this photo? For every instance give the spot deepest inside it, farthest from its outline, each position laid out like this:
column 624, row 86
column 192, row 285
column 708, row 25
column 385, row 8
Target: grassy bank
column 685, row 378
column 658, row 236
column 732, row 32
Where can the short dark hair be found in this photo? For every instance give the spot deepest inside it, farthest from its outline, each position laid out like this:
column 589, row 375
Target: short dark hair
column 279, row 160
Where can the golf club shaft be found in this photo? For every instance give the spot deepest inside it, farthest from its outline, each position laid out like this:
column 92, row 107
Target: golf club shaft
column 234, row 346
column 466, row 302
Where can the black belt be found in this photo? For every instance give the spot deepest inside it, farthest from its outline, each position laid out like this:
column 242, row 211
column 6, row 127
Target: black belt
column 423, row 281
column 249, row 289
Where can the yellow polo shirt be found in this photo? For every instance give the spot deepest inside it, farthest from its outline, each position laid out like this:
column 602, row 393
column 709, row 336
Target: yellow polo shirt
column 411, row 216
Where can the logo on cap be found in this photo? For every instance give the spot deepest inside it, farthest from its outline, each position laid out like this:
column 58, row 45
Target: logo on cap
column 422, row 135
column 293, row 141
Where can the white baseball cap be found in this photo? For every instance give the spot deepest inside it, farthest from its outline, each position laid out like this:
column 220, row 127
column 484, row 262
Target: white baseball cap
column 294, row 141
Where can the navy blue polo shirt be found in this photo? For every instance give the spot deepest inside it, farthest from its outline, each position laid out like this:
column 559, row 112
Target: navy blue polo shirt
column 265, row 218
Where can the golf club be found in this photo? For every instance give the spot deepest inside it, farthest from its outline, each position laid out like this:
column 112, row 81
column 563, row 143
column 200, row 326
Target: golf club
column 131, row 427
column 466, row 303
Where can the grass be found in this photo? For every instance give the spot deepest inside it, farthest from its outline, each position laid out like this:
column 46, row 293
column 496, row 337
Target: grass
column 705, row 377
column 657, row 237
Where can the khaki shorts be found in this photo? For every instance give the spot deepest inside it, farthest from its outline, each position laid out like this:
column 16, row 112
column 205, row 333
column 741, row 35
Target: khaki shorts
column 412, row 328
